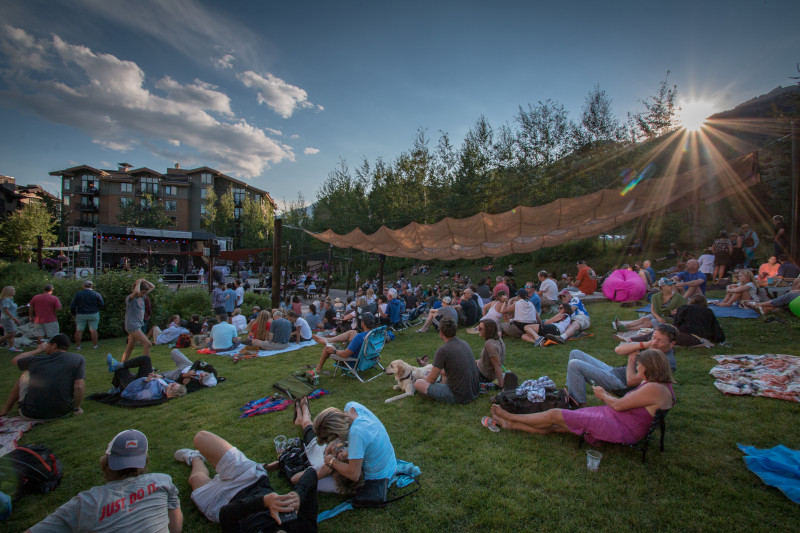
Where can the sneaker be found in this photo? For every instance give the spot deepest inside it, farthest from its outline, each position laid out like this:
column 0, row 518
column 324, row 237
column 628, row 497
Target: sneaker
column 77, row 347
column 113, row 364
column 185, row 455
column 95, row 346
column 555, row 338
column 14, row 350
column 615, row 324
column 539, row 341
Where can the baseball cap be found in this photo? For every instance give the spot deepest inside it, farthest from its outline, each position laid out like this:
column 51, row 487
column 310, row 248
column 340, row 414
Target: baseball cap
column 582, row 262
column 446, row 300
column 127, row 450
column 563, row 292
column 368, row 319
column 665, row 281
column 60, row 340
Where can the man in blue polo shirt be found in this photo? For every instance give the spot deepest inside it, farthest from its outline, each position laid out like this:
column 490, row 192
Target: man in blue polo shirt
column 354, row 340
column 691, row 281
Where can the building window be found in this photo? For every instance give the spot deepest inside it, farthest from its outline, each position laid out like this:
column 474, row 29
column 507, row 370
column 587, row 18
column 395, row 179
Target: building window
column 257, row 198
column 67, row 183
column 125, row 201
column 169, row 190
column 206, row 178
column 149, row 185
column 174, row 221
column 203, row 193
column 238, row 195
column 89, row 183
column 66, row 200
column 126, row 188
column 145, row 203
column 237, row 213
column 171, row 205
column 203, row 209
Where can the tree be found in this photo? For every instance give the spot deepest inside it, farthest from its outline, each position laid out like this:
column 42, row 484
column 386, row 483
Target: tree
column 543, row 134
column 597, row 122
column 224, row 221
column 19, row 230
column 256, row 222
column 660, row 115
column 147, row 213
column 209, row 218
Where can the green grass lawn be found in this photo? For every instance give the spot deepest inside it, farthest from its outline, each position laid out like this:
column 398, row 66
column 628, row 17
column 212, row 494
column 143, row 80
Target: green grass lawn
column 473, row 479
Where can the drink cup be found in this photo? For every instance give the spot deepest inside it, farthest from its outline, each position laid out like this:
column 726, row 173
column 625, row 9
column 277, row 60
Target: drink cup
column 593, row 460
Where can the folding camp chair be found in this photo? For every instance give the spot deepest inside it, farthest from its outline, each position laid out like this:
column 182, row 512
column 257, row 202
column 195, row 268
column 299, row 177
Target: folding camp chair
column 396, row 312
column 416, row 315
column 367, row 358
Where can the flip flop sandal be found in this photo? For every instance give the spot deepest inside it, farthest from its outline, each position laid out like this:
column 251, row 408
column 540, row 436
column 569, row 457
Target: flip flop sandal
column 490, row 424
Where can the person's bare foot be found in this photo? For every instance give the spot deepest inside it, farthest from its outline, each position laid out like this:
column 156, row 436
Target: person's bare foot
column 298, row 414
column 319, row 340
column 500, row 415
column 305, row 411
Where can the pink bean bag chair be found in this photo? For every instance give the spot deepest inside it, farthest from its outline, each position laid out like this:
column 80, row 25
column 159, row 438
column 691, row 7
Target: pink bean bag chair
column 624, row 286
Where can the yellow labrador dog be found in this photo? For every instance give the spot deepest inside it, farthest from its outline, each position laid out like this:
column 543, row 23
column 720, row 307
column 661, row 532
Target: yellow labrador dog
column 405, row 375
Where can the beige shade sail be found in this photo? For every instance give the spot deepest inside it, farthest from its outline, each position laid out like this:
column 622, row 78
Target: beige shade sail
column 526, row 229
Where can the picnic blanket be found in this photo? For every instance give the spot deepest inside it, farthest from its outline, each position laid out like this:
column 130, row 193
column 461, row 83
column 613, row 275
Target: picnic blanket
column 270, row 404
column 771, row 375
column 720, row 312
column 11, row 429
column 266, row 353
column 777, row 467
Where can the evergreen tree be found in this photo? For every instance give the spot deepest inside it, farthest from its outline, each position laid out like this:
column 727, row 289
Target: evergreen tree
column 19, row 230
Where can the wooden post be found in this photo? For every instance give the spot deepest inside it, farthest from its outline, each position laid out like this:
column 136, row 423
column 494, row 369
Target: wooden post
column 211, row 244
column 39, row 245
column 349, row 271
column 276, row 264
column 328, row 281
column 286, row 275
column 794, row 215
column 381, row 261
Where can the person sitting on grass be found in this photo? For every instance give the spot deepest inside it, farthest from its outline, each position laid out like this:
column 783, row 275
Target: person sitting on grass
column 696, row 324
column 740, row 293
column 455, row 362
column 302, row 331
column 435, row 316
column 354, row 339
column 781, row 301
column 493, row 355
column 109, row 508
column 176, row 328
column 787, row 270
column 491, row 311
column 663, row 305
column 767, row 271
column 240, row 497
column 582, row 368
column 279, row 333
column 146, row 385
column 134, row 317
column 223, row 336
column 552, row 329
column 369, row 450
column 691, row 281
column 623, row 420
column 522, row 310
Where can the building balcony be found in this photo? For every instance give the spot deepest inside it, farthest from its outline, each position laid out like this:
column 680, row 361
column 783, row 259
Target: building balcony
column 87, row 223
column 91, row 191
column 88, row 208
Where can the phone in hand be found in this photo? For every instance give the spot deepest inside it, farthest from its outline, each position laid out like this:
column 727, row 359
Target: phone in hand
column 287, row 517
column 592, row 383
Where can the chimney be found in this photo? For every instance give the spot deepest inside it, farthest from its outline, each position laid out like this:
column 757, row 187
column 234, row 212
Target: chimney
column 124, row 167
column 177, row 165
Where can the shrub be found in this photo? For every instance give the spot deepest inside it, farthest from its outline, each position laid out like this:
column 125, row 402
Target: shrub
column 189, row 301
column 253, row 298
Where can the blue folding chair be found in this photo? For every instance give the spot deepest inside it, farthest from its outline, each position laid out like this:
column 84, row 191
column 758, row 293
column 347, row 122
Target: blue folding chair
column 367, row 358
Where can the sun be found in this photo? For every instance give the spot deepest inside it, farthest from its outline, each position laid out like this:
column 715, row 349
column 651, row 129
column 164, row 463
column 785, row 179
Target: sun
column 694, row 114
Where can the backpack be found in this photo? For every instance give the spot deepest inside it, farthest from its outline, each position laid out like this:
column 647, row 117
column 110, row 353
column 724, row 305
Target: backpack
column 519, row 404
column 31, row 468
column 184, row 341
column 293, row 459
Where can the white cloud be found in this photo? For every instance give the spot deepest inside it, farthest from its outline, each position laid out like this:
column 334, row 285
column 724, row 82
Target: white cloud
column 280, row 96
column 224, row 62
column 310, row 151
column 107, row 98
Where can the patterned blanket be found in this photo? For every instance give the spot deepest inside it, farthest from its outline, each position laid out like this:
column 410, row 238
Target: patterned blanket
column 770, row 375
column 11, row 429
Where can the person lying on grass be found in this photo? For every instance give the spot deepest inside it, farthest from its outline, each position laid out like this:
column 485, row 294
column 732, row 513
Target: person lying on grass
column 623, row 420
column 146, row 384
column 240, row 497
column 131, row 500
column 781, row 301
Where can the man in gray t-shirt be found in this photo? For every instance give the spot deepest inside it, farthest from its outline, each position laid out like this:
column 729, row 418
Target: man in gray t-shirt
column 281, row 332
column 456, row 363
column 52, row 383
column 436, row 315
column 131, row 499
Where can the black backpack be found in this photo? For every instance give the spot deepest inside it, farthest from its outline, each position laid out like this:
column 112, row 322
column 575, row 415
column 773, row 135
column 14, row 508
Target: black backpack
column 31, row 468
column 519, row 404
column 293, row 459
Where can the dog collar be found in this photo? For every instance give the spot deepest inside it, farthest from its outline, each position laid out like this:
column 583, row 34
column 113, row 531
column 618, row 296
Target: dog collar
column 408, row 376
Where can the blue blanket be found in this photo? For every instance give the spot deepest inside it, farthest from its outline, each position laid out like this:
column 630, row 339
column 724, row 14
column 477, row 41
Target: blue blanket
column 720, row 312
column 778, row 467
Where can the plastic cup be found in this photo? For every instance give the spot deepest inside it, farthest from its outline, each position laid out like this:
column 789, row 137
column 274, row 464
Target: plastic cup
column 593, row 460
column 280, row 444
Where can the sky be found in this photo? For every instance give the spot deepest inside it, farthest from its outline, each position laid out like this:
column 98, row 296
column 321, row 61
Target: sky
column 278, row 93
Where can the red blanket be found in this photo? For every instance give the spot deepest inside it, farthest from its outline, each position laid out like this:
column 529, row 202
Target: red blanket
column 770, row 375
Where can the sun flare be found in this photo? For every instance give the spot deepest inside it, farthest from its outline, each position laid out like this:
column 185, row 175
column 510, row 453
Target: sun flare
column 695, row 113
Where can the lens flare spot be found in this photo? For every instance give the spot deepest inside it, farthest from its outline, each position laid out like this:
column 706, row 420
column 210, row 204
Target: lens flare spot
column 645, row 174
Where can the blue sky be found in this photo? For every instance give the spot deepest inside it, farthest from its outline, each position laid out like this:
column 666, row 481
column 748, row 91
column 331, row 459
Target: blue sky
column 277, row 93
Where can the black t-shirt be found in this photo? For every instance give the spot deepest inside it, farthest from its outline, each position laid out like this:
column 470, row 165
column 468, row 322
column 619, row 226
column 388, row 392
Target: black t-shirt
column 51, row 385
column 411, row 301
column 471, row 313
column 330, row 314
column 195, row 328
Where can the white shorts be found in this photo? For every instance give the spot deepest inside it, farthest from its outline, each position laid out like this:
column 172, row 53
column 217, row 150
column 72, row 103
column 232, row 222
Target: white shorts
column 583, row 320
column 234, row 472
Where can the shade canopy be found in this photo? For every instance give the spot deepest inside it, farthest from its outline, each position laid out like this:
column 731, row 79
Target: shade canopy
column 526, row 229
